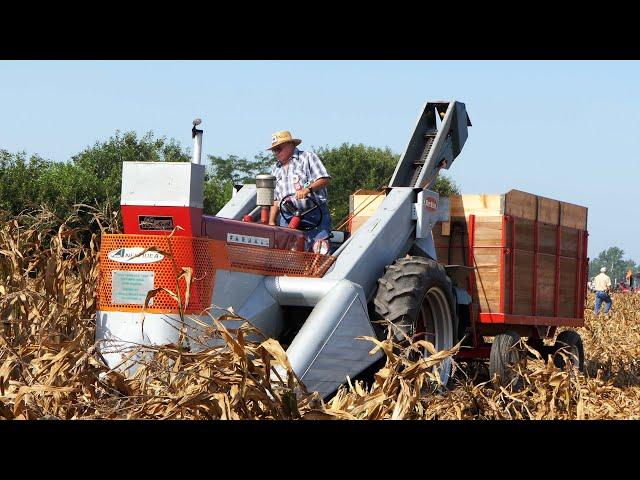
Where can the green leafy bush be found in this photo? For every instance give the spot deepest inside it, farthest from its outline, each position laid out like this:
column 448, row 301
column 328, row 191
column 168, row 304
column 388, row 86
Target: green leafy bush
column 94, row 175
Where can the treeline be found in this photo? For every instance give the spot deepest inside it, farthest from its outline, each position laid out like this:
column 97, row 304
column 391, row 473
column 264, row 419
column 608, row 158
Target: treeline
column 93, row 176
column 617, row 266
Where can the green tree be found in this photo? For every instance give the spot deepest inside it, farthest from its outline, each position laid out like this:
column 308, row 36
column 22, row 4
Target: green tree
column 94, row 175
column 445, row 186
column 20, row 180
column 217, row 192
column 612, row 258
column 354, row 167
column 224, row 172
column 239, row 170
column 62, row 185
column 103, row 161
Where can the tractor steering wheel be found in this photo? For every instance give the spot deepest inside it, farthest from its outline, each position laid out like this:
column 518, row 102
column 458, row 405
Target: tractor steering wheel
column 288, row 210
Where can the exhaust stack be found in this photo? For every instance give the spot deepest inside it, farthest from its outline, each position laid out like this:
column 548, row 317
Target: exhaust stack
column 197, row 142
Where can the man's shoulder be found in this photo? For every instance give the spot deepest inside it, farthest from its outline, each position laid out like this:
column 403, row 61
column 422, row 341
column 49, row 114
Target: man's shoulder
column 306, row 154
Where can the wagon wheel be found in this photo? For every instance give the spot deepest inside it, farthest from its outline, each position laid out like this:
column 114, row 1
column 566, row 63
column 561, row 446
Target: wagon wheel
column 504, row 356
column 571, row 343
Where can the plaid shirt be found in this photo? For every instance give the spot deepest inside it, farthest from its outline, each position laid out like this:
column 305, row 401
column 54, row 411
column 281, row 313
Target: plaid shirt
column 303, row 169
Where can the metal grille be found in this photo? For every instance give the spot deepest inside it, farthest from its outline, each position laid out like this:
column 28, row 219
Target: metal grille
column 265, row 261
column 423, row 158
column 179, row 252
column 203, row 255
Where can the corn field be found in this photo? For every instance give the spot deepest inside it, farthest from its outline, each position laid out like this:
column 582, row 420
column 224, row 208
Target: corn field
column 50, row 369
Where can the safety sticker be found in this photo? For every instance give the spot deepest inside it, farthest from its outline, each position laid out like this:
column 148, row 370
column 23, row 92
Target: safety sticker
column 152, row 222
column 130, row 287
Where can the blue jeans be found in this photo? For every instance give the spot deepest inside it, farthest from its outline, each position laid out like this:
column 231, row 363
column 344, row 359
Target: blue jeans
column 602, row 297
column 321, row 232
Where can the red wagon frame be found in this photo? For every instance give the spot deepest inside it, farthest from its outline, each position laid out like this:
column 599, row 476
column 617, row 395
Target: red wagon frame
column 503, row 321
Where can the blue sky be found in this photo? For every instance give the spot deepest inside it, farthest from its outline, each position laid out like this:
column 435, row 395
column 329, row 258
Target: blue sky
column 562, row 129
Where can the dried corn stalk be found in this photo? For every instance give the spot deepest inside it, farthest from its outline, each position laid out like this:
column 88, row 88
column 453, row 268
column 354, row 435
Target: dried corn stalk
column 49, row 367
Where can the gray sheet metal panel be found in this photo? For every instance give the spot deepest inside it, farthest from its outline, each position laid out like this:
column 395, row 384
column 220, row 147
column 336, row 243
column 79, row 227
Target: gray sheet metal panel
column 462, row 118
column 298, row 291
column 231, row 289
column 325, row 387
column 426, row 218
column 246, row 293
column 427, row 246
column 426, row 122
column 378, row 242
column 240, row 204
column 331, row 329
column 448, row 144
column 441, row 150
column 462, row 296
column 326, row 373
column 138, row 328
column 345, row 354
column 262, row 311
column 451, row 135
column 200, row 339
column 119, row 333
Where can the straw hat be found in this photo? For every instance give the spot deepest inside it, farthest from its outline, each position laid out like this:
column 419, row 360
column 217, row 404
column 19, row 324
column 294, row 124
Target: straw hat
column 283, row 136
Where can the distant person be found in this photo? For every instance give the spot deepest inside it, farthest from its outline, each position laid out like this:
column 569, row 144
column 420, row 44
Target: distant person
column 602, row 287
column 629, row 277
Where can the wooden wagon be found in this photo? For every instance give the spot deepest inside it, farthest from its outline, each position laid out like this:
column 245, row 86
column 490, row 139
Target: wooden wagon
column 522, row 261
column 528, row 270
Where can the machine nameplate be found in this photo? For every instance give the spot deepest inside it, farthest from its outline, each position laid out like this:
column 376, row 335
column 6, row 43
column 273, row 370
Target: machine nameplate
column 151, row 222
column 130, row 287
column 134, row 255
column 431, row 203
column 247, row 239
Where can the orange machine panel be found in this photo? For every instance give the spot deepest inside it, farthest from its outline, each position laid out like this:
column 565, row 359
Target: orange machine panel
column 178, row 253
column 246, row 258
column 123, row 283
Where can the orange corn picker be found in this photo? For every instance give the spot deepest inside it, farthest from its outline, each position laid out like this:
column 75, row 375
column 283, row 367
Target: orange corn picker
column 484, row 270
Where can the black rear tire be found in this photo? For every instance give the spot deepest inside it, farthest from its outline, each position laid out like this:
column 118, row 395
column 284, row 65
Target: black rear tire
column 504, row 356
column 415, row 295
column 571, row 341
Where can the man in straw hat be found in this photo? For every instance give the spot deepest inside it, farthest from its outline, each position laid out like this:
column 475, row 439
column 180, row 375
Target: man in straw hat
column 602, row 285
column 301, row 174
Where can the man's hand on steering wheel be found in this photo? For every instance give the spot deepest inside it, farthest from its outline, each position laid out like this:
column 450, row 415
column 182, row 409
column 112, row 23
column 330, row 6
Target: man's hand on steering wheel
column 302, row 193
column 288, row 210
